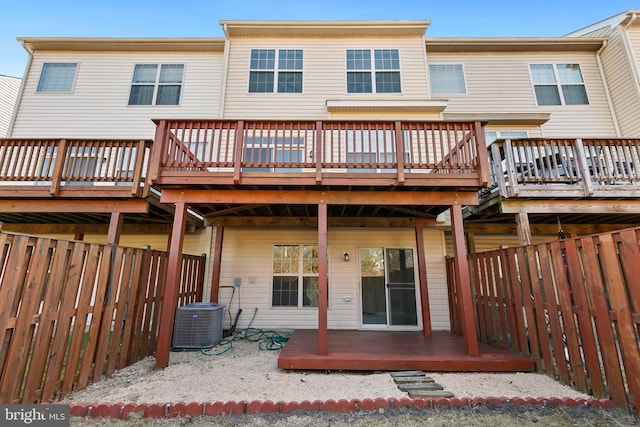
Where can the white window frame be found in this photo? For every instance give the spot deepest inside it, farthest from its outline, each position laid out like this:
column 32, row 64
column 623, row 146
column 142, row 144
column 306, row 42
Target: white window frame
column 373, row 71
column 43, row 82
column 444, row 92
column 558, row 84
column 301, row 275
column 276, row 70
column 156, row 85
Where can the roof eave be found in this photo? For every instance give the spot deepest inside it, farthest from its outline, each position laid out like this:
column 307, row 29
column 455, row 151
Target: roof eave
column 276, row 29
column 122, row 44
column 513, row 44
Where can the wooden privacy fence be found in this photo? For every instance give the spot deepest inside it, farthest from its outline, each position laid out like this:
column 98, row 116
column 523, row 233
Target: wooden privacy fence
column 72, row 312
column 571, row 305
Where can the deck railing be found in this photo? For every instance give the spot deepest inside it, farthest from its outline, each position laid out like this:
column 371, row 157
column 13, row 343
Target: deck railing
column 214, row 148
column 72, row 312
column 69, row 163
column 565, row 167
column 573, row 306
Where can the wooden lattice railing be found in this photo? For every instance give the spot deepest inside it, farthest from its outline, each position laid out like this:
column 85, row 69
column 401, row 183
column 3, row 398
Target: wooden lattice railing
column 537, row 167
column 201, row 149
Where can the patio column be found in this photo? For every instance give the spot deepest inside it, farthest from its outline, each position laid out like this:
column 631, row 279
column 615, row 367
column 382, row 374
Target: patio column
column 422, row 278
column 465, row 298
column 115, row 228
column 171, row 286
column 217, row 259
column 524, row 230
column 323, row 347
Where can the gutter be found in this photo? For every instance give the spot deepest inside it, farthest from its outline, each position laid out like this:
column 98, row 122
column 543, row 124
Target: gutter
column 607, row 93
column 225, row 71
column 25, row 75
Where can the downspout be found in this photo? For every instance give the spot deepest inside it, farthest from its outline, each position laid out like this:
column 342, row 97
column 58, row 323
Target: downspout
column 634, row 61
column 25, row 75
column 607, row 93
column 225, row 71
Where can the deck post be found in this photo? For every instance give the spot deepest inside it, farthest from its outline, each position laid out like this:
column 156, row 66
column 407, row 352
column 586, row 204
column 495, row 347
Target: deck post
column 323, row 347
column 422, row 278
column 465, row 297
column 217, row 258
column 115, row 228
column 524, row 230
column 172, row 283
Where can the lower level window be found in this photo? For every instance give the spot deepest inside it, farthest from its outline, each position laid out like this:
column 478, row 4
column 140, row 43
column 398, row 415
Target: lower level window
column 295, row 276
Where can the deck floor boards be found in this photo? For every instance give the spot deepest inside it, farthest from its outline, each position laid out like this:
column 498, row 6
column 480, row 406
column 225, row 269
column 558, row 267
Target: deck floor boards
column 395, row 351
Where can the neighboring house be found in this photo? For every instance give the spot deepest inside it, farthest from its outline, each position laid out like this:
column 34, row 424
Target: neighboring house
column 9, row 88
column 581, row 182
column 322, row 166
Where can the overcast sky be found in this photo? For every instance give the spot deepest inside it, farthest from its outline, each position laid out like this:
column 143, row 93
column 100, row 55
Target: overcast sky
column 199, row 18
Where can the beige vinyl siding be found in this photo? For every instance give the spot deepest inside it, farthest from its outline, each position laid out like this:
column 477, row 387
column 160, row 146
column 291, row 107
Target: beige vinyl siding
column 324, row 77
column 488, row 242
column 9, row 88
column 624, row 95
column 193, row 244
column 98, row 106
column 621, row 76
column 501, row 83
column 247, row 254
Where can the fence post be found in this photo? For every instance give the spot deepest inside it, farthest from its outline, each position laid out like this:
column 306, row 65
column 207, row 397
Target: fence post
column 583, row 167
column 58, row 167
column 400, row 151
column 158, row 147
column 511, row 168
column 237, row 161
column 482, row 154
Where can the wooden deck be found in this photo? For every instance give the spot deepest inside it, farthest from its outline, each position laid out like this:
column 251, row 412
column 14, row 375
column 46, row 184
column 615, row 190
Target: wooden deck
column 393, row 351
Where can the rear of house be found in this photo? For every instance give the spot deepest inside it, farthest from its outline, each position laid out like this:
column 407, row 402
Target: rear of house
column 321, row 166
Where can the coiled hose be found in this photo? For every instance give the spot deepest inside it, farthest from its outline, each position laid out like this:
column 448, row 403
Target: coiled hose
column 266, row 339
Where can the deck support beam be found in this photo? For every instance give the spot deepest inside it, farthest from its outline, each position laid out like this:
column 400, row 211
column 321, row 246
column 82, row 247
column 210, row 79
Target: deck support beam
column 422, row 278
column 172, row 284
column 217, row 263
column 323, row 269
column 463, row 281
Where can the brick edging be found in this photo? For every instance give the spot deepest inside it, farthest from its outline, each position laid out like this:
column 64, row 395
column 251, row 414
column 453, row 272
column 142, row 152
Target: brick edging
column 194, row 409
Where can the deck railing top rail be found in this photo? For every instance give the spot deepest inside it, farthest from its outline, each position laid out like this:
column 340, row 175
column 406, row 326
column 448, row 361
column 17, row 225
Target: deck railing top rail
column 212, row 148
column 563, row 166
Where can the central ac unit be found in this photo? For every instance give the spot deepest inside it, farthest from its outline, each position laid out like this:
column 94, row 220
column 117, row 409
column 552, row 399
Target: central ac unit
column 198, row 325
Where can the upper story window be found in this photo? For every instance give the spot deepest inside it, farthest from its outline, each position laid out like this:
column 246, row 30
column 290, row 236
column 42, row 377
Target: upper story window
column 447, row 79
column 268, row 75
column 362, row 72
column 57, row 77
column 156, row 84
column 558, row 84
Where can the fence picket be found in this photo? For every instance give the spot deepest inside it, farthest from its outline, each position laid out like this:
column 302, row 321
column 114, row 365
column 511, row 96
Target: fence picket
column 23, row 333
column 627, row 336
column 96, row 310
